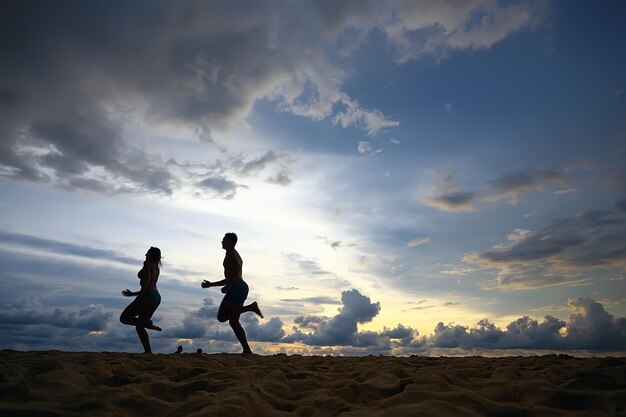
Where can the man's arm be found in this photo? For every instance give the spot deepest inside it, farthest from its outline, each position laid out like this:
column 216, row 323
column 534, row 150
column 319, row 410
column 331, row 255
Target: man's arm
column 232, row 271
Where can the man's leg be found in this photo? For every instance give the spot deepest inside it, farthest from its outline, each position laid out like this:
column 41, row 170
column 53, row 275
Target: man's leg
column 254, row 307
column 239, row 332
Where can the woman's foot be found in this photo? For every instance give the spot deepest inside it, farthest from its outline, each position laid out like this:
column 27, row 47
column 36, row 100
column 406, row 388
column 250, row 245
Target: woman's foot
column 255, row 308
column 151, row 326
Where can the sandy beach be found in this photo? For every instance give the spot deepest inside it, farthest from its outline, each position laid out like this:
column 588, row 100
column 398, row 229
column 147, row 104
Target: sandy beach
column 55, row 383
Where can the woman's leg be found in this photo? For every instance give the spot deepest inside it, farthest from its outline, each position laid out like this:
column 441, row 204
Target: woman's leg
column 138, row 314
column 130, row 313
column 144, row 338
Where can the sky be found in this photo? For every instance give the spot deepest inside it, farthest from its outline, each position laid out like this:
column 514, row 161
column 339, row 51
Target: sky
column 405, row 177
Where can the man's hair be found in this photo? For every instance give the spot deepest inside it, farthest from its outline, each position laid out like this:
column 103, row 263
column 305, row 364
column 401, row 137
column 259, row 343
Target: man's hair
column 232, row 237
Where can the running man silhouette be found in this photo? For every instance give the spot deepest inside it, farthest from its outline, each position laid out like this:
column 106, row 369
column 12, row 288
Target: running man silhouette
column 140, row 311
column 236, row 291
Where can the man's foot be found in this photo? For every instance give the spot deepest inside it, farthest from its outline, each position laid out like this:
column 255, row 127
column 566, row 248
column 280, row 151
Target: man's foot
column 247, row 352
column 255, row 308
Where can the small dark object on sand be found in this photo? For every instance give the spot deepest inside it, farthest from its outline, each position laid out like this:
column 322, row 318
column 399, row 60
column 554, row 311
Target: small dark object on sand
column 179, row 350
column 199, row 350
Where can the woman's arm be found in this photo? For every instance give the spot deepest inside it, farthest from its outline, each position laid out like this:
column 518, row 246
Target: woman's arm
column 207, row 283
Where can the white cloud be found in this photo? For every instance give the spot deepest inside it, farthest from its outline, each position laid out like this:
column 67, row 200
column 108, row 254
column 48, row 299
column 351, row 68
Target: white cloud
column 418, row 241
column 365, row 148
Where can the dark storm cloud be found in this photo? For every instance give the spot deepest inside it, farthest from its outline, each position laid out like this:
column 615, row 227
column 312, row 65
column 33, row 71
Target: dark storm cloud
column 507, row 185
column 588, row 239
column 514, row 183
column 454, row 201
column 65, row 79
column 621, row 204
column 76, row 75
column 63, row 247
column 92, row 317
column 554, row 254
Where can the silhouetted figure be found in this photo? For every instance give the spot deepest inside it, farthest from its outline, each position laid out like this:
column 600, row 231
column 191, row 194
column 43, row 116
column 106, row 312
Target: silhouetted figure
column 199, row 350
column 140, row 311
column 236, row 291
column 179, row 350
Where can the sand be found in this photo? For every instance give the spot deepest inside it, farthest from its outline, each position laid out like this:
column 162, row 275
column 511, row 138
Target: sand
column 57, row 383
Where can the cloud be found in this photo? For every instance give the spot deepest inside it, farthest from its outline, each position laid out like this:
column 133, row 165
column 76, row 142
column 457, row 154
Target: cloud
column 365, row 148
column 457, row 270
column 621, row 204
column 509, row 185
column 371, row 121
column 419, row 241
column 74, row 86
column 447, row 108
column 453, row 201
column 219, row 186
column 313, row 300
column 270, row 331
column 432, row 29
column 29, row 323
column 280, row 178
column 512, row 184
column 202, row 324
column 92, row 317
column 588, row 326
column 213, row 179
column 587, row 239
column 334, row 244
column 254, row 165
column 287, row 288
column 308, row 266
column 554, row 254
column 342, row 329
column 568, row 191
column 73, row 92
column 65, row 248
